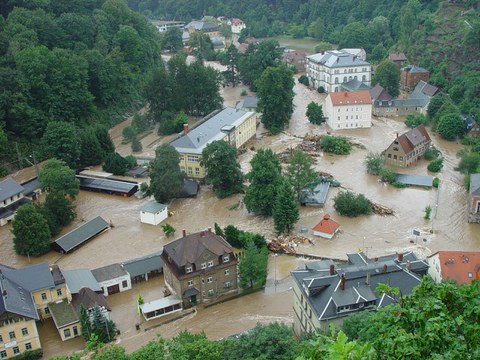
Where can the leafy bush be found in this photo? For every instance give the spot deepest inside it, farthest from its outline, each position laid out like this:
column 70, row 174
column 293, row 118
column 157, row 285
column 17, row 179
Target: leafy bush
column 131, row 161
column 428, row 211
column 136, row 145
column 321, row 89
column 239, row 238
column 29, row 355
column 167, row 124
column 129, row 133
column 374, row 163
column 348, row 204
column 336, row 144
column 244, row 93
column 435, row 165
column 315, row 113
column 436, row 182
column 180, row 120
column 303, row 80
column 432, row 153
column 141, row 122
column 387, row 175
column 168, row 230
column 414, row 120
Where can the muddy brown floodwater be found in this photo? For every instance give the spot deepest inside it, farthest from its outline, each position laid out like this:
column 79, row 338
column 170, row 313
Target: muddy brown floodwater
column 378, row 235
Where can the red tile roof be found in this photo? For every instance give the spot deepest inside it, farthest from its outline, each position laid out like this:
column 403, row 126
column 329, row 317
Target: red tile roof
column 237, row 22
column 349, row 98
column 460, row 266
column 327, row 225
column 412, row 138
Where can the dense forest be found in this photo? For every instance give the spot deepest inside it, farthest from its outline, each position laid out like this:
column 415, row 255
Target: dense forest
column 77, row 62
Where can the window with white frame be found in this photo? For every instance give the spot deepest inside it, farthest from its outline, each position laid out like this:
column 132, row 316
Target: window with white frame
column 204, row 265
column 210, row 263
column 227, row 284
column 190, row 283
column 226, row 272
column 210, row 279
column 226, row 258
column 188, row 269
column 192, row 158
column 189, row 171
column 197, row 171
column 211, row 292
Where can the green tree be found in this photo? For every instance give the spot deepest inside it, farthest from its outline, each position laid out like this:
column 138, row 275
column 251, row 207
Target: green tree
column 85, row 323
column 136, row 145
column 180, row 121
column 435, row 165
column 110, row 352
column 166, row 179
column 56, row 177
column 31, row 233
column 91, row 152
column 231, row 60
column 116, row 164
column 58, row 210
column 106, row 143
column 154, row 350
column 348, row 204
column 129, row 133
column 105, row 329
column 387, row 175
column 168, row 230
column 285, row 210
column 387, row 75
column 374, row 163
column 435, row 104
column 469, row 162
column 159, row 91
column 202, row 46
column 194, row 346
column 252, row 268
column 141, row 122
column 449, row 126
column 414, row 120
column 335, row 144
column 172, row 40
column 300, row 173
column 60, row 140
column 264, row 177
column 222, row 168
column 275, row 92
column 315, row 113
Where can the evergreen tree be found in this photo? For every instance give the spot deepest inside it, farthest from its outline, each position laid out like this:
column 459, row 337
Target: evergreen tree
column 85, row 323
column 252, row 268
column 91, row 152
column 231, row 60
column 301, row 174
column 166, row 178
column 105, row 329
column 265, row 178
column 223, row 170
column 104, row 139
column 285, row 211
column 275, row 92
column 116, row 164
column 31, row 233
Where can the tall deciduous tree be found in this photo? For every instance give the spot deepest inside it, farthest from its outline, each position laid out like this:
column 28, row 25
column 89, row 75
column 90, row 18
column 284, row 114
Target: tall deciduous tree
column 252, row 268
column 300, row 173
column 387, row 75
column 61, row 141
column 450, row 125
column 58, row 211
column 275, row 92
column 315, row 113
column 223, row 170
column 172, row 40
column 202, row 46
column 116, row 164
column 285, row 210
column 57, row 177
column 166, row 178
column 265, row 178
column 31, row 233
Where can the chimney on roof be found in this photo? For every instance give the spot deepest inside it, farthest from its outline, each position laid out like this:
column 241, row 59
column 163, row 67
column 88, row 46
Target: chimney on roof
column 400, row 257
column 397, row 135
column 409, row 265
column 184, row 233
column 209, row 229
column 185, row 128
column 332, row 269
column 342, row 282
column 367, row 280
column 385, row 267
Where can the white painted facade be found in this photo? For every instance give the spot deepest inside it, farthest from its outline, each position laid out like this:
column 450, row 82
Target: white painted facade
column 332, row 68
column 124, row 283
column 153, row 218
column 348, row 116
column 324, row 235
column 237, row 25
column 435, row 268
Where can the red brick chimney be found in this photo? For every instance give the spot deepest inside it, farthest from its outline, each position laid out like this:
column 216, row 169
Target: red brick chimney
column 185, row 128
column 184, row 233
column 209, row 229
column 385, row 267
column 342, row 282
column 332, row 269
column 400, row 257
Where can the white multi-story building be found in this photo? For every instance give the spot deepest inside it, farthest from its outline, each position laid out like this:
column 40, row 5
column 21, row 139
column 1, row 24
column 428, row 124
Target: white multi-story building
column 349, row 110
column 330, row 69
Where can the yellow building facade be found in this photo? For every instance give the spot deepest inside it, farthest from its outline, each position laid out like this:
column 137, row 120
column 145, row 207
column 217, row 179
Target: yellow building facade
column 17, row 335
column 235, row 126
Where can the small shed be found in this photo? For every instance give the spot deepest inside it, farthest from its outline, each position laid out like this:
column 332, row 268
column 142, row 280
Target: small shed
column 144, row 267
column 108, row 186
column 326, row 228
column 415, row 180
column 317, row 196
column 160, row 307
column 113, row 279
column 153, row 213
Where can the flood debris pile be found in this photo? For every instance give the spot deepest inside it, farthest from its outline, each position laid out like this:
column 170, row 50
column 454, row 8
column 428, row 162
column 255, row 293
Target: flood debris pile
column 287, row 243
column 381, row 210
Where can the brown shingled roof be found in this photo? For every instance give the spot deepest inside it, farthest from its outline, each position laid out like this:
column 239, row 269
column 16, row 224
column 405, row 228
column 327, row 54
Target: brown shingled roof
column 187, row 250
column 350, row 98
column 412, row 138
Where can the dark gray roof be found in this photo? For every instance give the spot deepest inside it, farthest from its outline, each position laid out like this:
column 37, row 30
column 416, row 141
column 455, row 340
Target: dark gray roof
column 337, row 58
column 324, row 293
column 34, row 277
column 209, row 130
column 9, row 188
column 80, row 235
column 78, row 279
column 354, row 85
column 153, row 207
column 414, row 69
column 423, row 90
column 109, row 272
column 190, row 292
column 401, row 103
column 89, row 299
column 108, row 185
column 137, row 171
column 475, row 184
column 248, row 102
column 14, row 297
column 30, row 186
column 379, row 93
column 143, row 265
column 415, row 180
column 316, row 196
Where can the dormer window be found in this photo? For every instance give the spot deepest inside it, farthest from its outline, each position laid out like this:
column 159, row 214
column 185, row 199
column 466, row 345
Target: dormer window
column 226, row 258
column 204, row 265
column 189, row 269
column 210, row 263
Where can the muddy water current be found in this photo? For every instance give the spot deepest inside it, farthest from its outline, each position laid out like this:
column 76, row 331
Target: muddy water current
column 378, row 235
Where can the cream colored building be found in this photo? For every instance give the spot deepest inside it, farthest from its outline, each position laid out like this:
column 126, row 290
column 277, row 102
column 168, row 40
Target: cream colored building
column 349, row 110
column 235, row 126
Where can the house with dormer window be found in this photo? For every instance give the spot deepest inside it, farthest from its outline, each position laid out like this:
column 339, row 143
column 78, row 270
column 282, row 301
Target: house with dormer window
column 407, row 148
column 199, row 267
column 325, row 292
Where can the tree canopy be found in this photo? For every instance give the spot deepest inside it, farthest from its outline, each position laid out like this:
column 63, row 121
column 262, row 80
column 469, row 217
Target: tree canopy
column 285, row 210
column 31, row 233
column 387, row 75
column 300, row 173
column 166, row 178
column 56, row 177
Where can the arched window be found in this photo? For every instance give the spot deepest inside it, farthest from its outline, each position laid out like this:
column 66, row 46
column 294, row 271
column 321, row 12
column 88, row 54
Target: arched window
column 344, row 79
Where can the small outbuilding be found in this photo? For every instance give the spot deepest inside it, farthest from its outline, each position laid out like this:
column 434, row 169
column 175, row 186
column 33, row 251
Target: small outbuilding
column 160, row 307
column 316, row 196
column 144, row 267
column 153, row 213
column 326, row 228
column 112, row 278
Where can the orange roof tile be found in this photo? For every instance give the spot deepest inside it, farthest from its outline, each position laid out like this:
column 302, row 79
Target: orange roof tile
column 460, row 266
column 349, row 98
column 327, row 225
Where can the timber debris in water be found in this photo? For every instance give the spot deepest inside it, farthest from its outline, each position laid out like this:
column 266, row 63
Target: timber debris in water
column 287, row 243
column 380, row 209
